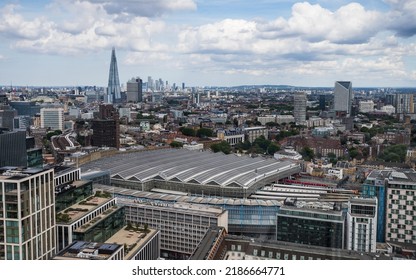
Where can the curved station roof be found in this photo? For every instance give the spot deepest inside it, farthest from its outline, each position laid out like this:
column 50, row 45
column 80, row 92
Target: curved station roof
column 193, row 167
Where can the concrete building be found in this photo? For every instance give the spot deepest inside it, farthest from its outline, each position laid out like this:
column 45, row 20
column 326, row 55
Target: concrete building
column 182, row 226
column 299, row 110
column 135, row 90
column 362, row 224
column 266, row 119
column 236, row 248
column 52, row 118
column 284, row 119
column 400, row 207
column 366, row 106
column 27, row 214
column 232, row 136
column 404, row 103
column 251, row 133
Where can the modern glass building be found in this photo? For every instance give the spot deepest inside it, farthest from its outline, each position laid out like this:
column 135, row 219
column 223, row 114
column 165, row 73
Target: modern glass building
column 113, row 89
column 311, row 226
column 27, row 214
column 251, row 217
column 374, row 186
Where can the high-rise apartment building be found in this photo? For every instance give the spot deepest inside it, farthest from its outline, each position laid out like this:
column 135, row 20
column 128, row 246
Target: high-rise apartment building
column 52, row 118
column 27, row 214
column 400, row 207
column 404, row 103
column 374, row 186
column 135, row 90
column 362, row 224
column 343, row 97
column 113, row 89
column 299, row 110
column 106, row 128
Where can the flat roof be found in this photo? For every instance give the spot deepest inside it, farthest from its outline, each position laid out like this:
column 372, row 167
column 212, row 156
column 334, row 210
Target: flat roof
column 83, row 208
column 133, row 239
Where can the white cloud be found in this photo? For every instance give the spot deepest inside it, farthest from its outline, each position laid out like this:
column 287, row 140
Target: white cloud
column 91, row 29
column 144, row 8
column 14, row 25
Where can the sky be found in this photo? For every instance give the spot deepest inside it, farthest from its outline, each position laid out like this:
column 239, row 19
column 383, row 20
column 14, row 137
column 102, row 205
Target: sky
column 209, row 42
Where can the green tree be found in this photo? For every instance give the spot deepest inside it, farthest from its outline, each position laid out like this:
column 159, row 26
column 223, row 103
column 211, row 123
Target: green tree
column 187, row 131
column 307, row 153
column 272, row 148
column 204, row 132
column 223, row 146
column 176, row 144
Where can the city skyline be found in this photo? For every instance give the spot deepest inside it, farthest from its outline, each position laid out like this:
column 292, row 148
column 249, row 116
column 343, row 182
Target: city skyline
column 209, row 43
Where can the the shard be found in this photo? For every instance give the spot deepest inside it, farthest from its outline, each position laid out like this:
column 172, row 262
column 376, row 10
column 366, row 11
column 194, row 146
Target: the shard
column 113, row 89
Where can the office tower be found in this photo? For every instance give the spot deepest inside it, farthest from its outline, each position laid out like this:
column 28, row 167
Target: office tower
column 343, row 98
column 135, row 90
column 26, row 108
column 27, row 220
column 7, row 115
column 52, row 118
column 362, row 224
column 106, row 128
column 113, row 89
column 150, row 84
column 299, row 111
column 316, row 225
column 13, row 148
column 182, row 226
column 183, row 86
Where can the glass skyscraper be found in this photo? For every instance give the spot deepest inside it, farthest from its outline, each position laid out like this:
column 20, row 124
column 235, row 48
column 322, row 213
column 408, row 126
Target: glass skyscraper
column 113, row 89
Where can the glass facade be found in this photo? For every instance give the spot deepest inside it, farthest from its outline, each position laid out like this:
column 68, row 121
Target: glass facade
column 373, row 189
column 312, row 228
column 72, row 196
column 101, row 230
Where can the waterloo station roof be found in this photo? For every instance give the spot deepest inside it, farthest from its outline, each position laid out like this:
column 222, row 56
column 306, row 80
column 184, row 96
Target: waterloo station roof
column 184, row 166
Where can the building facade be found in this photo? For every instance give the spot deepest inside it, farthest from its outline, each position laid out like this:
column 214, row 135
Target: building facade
column 52, row 118
column 362, row 224
column 311, row 226
column 343, row 97
column 27, row 214
column 182, row 226
column 113, row 89
column 134, row 90
column 299, row 108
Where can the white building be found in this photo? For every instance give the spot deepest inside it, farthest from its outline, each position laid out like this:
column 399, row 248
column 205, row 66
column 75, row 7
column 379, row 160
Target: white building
column 362, row 224
column 266, row 119
column 366, row 106
column 280, row 119
column 52, row 118
column 287, row 154
column 388, row 109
